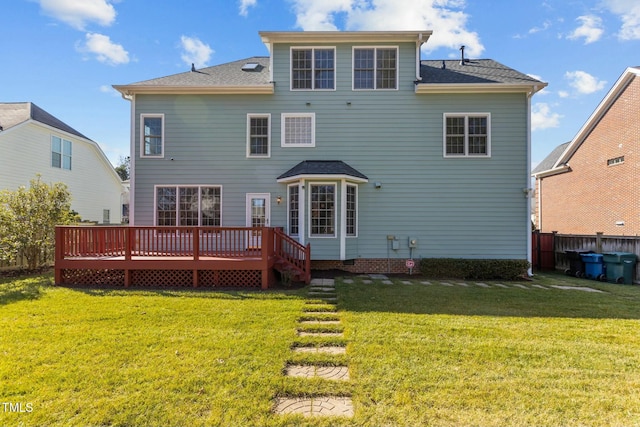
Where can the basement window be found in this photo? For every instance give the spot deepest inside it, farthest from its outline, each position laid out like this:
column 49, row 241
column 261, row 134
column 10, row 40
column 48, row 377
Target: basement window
column 615, row 161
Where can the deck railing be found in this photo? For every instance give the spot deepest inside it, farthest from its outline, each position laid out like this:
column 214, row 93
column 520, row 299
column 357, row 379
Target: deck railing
column 132, row 244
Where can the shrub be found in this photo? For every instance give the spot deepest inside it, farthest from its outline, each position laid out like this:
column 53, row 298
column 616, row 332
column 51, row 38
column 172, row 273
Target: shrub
column 479, row 269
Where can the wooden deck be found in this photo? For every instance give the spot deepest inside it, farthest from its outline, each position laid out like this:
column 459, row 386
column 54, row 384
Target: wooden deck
column 177, row 256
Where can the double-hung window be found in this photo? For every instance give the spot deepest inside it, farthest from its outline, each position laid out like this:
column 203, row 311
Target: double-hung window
column 467, row 135
column 294, row 210
column 313, row 68
column 60, row 153
column 351, row 210
column 188, row 206
column 152, row 135
column 258, row 135
column 322, row 210
column 298, row 130
column 375, row 68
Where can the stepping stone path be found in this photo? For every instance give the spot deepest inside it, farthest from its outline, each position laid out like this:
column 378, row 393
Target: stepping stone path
column 322, row 299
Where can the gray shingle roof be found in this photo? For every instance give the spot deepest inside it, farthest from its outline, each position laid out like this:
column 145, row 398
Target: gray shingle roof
column 229, row 74
column 551, row 159
column 473, row 71
column 14, row 113
column 322, row 167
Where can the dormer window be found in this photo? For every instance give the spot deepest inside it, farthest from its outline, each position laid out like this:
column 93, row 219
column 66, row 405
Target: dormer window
column 313, row 68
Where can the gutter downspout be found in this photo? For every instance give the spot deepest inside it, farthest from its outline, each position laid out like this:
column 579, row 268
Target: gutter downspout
column 132, row 163
column 528, row 183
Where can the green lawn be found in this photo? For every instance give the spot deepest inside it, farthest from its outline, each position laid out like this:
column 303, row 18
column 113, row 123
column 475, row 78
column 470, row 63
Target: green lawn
column 427, row 355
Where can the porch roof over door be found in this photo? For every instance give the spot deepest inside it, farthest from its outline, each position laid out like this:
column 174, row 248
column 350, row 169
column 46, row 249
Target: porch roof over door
column 322, row 169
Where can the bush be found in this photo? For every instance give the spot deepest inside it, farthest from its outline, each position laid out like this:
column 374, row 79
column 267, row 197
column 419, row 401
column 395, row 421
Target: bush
column 478, row 269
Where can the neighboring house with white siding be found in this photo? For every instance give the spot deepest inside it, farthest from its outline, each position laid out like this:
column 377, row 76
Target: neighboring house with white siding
column 33, row 142
column 348, row 141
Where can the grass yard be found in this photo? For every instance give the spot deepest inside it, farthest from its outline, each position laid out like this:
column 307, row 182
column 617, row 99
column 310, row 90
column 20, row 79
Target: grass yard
column 428, row 355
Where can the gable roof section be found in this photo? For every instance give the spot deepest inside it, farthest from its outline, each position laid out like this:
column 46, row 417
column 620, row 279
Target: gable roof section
column 229, row 78
column 548, row 165
column 477, row 75
column 15, row 113
column 601, row 110
column 322, row 169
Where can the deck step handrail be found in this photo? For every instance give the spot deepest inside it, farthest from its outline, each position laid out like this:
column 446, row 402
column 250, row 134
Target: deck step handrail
column 293, row 253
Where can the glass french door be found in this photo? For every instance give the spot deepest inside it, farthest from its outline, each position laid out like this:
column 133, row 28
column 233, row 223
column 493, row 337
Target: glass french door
column 258, row 215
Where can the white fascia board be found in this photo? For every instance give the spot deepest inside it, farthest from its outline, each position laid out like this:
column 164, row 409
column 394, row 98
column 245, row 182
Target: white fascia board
column 325, row 177
column 610, row 98
column 478, row 88
column 551, row 172
column 270, row 37
column 128, row 90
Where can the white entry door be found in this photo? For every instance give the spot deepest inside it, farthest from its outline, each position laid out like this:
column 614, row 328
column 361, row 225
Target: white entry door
column 258, row 215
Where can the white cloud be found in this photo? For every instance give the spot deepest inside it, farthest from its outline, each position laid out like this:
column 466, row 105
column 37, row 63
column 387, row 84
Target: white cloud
column 563, row 94
column 104, row 49
column 109, row 90
column 545, row 26
column 629, row 12
column 245, row 5
column 543, row 118
column 445, row 17
column 584, row 82
column 194, row 51
column 591, row 29
column 78, row 13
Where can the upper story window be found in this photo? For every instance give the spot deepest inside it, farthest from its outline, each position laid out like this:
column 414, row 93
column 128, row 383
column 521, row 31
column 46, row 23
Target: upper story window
column 60, row 153
column 375, row 68
column 152, row 138
column 298, row 130
column 313, row 68
column 258, row 135
column 467, row 135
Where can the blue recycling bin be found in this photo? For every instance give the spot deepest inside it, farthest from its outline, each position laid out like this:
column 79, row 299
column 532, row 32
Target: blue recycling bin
column 593, row 266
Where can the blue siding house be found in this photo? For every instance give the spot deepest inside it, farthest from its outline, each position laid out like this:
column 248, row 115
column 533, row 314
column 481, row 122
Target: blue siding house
column 349, row 141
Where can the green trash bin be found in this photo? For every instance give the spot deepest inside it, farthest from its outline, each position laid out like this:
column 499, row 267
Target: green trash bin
column 619, row 266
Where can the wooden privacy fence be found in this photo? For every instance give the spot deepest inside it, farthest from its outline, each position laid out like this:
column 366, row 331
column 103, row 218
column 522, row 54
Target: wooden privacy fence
column 549, row 249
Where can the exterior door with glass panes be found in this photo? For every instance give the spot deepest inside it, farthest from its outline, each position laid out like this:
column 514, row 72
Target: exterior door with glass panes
column 258, row 215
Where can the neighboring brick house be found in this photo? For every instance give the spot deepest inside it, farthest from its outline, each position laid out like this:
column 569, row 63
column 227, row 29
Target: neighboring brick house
column 590, row 184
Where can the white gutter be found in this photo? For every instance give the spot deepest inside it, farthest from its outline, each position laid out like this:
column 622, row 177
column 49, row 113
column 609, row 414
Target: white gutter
column 528, row 183
column 128, row 90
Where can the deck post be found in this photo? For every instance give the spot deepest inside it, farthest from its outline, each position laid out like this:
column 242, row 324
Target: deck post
column 129, row 241
column 267, row 252
column 59, row 253
column 307, row 263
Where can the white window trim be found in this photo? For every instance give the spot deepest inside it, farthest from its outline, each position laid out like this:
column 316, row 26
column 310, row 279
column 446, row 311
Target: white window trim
column 313, row 69
column 142, row 117
column 177, row 187
column 257, row 116
column 352, row 236
column 335, row 206
column 300, row 202
column 466, row 154
column 375, row 68
column 62, row 153
column 284, row 116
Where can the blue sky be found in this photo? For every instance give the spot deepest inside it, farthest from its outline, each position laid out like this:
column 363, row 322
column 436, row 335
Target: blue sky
column 64, row 55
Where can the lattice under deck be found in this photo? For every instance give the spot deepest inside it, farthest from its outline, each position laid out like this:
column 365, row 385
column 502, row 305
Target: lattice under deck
column 230, row 278
column 106, row 277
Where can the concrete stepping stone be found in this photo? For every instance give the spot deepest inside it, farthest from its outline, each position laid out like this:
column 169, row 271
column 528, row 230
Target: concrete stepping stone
column 320, row 322
column 323, row 282
column 539, row 287
column 406, row 282
column 577, row 288
column 323, row 350
column 378, row 276
column 446, row 284
column 500, row 285
column 387, row 282
column 315, row 406
column 322, row 289
column 321, row 334
column 335, row 373
column 367, row 281
column 462, row 284
column 425, row 282
column 482, row 285
column 518, row 285
column 348, row 281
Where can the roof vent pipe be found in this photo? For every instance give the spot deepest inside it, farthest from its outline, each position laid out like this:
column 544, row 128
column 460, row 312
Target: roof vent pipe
column 193, row 67
column 443, row 65
column 462, row 55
